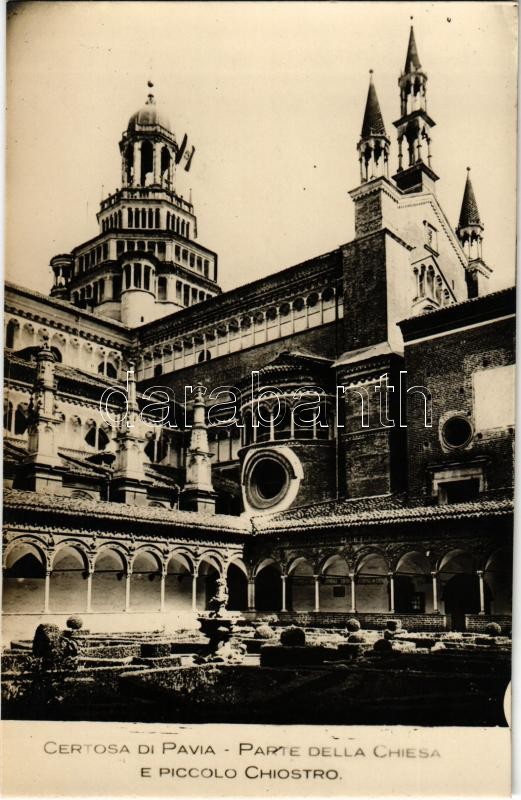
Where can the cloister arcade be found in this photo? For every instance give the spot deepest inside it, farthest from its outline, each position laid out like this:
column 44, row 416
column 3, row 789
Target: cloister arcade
column 73, row 577
column 454, row 583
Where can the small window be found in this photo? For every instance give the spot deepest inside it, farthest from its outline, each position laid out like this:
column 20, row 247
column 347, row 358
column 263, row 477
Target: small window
column 185, row 255
column 120, row 248
column 105, row 249
column 339, row 591
column 192, row 260
column 461, row 491
column 177, row 252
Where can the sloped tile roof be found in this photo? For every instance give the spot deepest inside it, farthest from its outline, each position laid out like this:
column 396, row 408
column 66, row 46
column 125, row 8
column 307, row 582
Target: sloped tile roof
column 101, row 509
column 376, row 511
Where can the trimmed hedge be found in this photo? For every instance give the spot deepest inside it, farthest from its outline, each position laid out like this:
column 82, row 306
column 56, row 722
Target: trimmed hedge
column 293, row 637
column 264, row 632
column 275, row 655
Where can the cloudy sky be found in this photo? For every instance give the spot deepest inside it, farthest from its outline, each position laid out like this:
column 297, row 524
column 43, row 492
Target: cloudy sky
column 272, row 96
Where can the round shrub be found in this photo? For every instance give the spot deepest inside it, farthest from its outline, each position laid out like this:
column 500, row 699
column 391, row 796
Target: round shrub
column 356, row 638
column 393, row 624
column 74, row 623
column 383, row 646
column 352, row 625
column 264, row 632
column 493, row 629
column 46, row 638
column 293, row 637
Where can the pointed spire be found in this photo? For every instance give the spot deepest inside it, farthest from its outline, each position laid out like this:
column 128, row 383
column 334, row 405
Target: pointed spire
column 373, row 147
column 373, row 123
column 470, row 234
column 469, row 214
column 412, row 61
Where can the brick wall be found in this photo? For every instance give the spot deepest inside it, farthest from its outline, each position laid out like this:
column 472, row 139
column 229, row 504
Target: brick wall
column 372, row 457
column 445, row 365
column 365, row 291
column 476, row 623
column 411, row 622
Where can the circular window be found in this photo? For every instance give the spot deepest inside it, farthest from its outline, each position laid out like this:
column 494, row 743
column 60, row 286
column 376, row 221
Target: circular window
column 457, row 432
column 268, row 483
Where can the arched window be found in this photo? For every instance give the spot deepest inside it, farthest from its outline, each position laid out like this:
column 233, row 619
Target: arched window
column 158, row 370
column 165, row 163
column 146, row 278
column 12, row 326
column 183, row 228
column 107, row 369
column 156, row 218
column 147, row 163
column 130, row 218
column 282, row 422
column 263, row 420
column 187, row 230
column 8, row 415
column 137, row 276
column 20, row 420
column 204, row 355
column 161, row 288
column 156, row 449
column 97, row 438
column 150, row 218
column 143, row 218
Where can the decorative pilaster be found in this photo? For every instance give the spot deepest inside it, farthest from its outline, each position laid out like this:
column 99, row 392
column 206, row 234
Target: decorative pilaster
column 434, row 576
column 42, row 468
column 129, row 484
column 283, row 605
column 198, row 493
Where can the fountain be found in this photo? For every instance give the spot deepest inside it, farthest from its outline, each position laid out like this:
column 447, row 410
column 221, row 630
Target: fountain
column 218, row 624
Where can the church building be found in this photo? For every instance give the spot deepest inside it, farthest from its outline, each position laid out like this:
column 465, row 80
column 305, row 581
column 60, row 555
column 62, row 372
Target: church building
column 360, row 461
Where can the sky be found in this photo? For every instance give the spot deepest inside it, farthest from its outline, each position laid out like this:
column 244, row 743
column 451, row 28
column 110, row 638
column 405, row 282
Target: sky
column 272, row 96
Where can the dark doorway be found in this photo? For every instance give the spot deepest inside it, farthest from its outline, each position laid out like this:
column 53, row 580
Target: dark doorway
column 407, row 600
column 237, row 589
column 210, row 585
column 461, row 596
column 268, row 589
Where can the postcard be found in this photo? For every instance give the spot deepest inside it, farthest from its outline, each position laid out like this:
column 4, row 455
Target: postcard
column 259, row 419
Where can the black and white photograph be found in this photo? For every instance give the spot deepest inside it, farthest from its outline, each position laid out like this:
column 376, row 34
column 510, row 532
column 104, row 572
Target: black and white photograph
column 259, row 377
